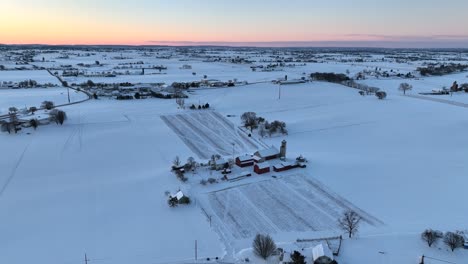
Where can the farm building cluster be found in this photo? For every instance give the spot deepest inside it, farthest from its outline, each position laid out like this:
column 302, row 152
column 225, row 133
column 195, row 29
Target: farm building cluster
column 265, row 161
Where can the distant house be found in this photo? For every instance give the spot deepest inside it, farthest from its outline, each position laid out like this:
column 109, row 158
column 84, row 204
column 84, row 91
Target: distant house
column 321, row 254
column 261, row 168
column 267, row 154
column 186, row 67
column 220, row 164
column 245, row 161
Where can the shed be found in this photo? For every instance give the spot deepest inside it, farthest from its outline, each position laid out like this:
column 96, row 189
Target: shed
column 284, row 166
column 321, row 254
column 261, row 168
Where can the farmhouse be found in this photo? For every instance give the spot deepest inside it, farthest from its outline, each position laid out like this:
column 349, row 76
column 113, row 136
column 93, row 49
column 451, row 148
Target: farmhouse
column 267, row 154
column 245, row 161
column 261, row 168
column 177, row 196
column 220, row 164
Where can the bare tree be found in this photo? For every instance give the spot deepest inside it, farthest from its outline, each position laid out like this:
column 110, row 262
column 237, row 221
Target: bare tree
column 430, row 236
column 176, row 161
column 191, row 163
column 405, row 87
column 453, row 240
column 263, row 246
column 13, row 110
column 350, row 222
column 32, row 109
column 250, row 120
column 58, row 116
column 47, row 105
column 61, row 117
column 180, row 102
column 262, row 131
column 381, row 95
column 34, row 123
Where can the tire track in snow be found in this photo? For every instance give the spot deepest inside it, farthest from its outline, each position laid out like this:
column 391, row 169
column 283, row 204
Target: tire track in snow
column 13, row 172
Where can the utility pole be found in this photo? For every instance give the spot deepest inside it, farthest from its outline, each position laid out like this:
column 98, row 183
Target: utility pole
column 196, row 251
column 233, row 150
column 68, row 91
column 279, row 91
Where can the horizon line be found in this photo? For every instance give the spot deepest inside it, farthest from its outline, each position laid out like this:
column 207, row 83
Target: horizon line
column 384, row 44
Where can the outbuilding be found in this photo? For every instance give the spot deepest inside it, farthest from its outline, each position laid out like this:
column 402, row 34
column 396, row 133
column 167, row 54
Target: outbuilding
column 322, row 254
column 284, row 166
column 244, row 161
column 261, row 168
column 267, row 154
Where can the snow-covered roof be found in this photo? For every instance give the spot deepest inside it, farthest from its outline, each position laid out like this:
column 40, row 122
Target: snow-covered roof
column 267, row 152
column 245, row 158
column 178, row 195
column 221, row 161
column 263, row 165
column 320, row 251
column 284, row 164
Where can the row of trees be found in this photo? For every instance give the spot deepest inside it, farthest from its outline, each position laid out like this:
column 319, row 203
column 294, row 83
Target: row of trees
column 330, row 77
column 442, row 69
column 453, row 240
column 27, row 84
column 251, row 121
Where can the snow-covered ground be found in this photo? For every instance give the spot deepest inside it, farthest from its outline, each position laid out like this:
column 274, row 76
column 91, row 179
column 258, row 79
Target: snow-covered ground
column 25, row 98
column 97, row 184
column 40, row 76
column 208, row 132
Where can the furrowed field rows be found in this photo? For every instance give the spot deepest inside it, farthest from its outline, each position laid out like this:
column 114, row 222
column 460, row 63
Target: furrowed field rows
column 207, row 133
column 290, row 204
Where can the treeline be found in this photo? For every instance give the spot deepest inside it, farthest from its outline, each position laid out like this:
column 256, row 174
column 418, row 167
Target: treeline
column 329, row 77
column 442, row 69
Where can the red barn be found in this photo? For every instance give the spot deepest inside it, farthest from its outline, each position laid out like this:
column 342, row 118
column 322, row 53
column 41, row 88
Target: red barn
column 284, row 166
column 261, row 168
column 244, row 161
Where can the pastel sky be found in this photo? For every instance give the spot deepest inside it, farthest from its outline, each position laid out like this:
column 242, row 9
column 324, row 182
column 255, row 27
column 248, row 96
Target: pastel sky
column 258, row 22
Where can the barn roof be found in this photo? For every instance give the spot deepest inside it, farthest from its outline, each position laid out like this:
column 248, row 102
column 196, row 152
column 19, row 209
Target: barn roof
column 178, row 195
column 267, row 152
column 245, row 158
column 263, row 165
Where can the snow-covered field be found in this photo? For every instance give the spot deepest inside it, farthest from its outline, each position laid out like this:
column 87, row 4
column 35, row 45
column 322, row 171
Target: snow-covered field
column 294, row 203
column 97, row 184
column 207, row 133
column 40, row 76
column 25, row 98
